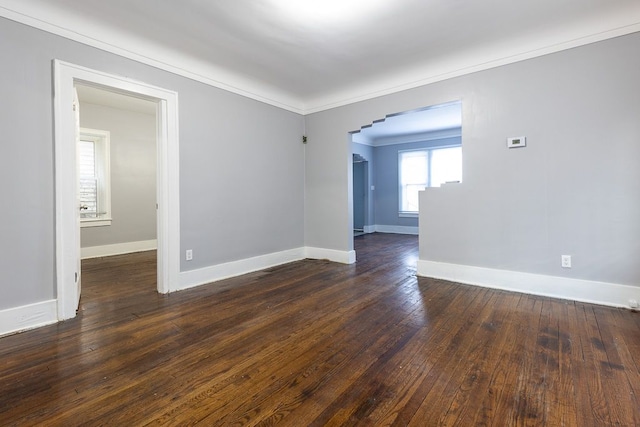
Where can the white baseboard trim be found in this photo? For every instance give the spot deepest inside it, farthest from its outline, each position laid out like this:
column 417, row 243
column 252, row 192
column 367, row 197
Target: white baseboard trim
column 202, row 276
column 343, row 257
column 369, row 229
column 206, row 275
column 603, row 293
column 30, row 316
column 118, row 249
column 396, row 229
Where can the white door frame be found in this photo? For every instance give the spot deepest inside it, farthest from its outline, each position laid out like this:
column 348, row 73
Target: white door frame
column 67, row 254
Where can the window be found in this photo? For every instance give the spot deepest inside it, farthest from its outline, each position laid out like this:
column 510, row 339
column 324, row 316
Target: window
column 94, row 178
column 419, row 169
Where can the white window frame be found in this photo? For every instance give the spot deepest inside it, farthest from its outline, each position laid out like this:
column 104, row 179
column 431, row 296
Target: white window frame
column 429, row 154
column 101, row 140
column 401, row 212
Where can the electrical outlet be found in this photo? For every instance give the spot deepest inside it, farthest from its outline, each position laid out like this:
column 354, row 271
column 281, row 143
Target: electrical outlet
column 188, row 255
column 565, row 261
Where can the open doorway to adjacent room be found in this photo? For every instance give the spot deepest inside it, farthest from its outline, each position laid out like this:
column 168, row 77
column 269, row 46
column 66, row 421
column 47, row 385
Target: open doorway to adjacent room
column 360, row 194
column 67, row 137
column 397, row 157
column 117, row 174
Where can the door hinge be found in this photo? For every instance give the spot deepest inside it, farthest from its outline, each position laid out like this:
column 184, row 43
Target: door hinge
column 76, row 277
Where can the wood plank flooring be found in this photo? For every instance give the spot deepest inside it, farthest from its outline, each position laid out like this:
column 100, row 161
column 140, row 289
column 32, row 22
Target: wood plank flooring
column 315, row 343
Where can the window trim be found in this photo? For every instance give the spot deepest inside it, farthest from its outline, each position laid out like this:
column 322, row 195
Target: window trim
column 102, row 141
column 404, row 213
column 408, row 214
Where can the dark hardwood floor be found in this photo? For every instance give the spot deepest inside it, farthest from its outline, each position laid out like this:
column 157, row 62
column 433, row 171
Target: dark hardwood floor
column 315, row 343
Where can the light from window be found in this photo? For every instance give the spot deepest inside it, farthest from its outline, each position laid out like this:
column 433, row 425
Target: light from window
column 88, row 179
column 94, row 178
column 414, row 177
column 426, row 168
column 446, row 166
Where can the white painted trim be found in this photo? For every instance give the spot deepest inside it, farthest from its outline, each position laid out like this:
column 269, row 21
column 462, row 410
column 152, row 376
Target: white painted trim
column 168, row 188
column 202, row 276
column 588, row 291
column 396, row 229
column 95, row 222
column 30, row 316
column 168, row 180
column 118, row 249
column 66, row 201
column 47, row 19
column 369, row 229
column 343, row 257
column 102, row 156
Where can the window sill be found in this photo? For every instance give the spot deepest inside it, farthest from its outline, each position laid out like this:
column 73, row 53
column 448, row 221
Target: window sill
column 408, row 214
column 95, row 222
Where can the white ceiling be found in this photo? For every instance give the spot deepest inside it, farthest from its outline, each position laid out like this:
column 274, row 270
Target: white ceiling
column 435, row 121
column 92, row 95
column 311, row 58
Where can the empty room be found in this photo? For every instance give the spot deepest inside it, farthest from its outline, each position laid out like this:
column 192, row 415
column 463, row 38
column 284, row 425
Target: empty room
column 298, row 213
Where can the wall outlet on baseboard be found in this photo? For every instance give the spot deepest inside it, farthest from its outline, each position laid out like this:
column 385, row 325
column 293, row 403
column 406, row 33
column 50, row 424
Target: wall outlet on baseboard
column 188, row 255
column 565, row 261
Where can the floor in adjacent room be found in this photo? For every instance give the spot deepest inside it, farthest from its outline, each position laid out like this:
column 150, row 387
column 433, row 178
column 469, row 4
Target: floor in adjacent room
column 318, row 343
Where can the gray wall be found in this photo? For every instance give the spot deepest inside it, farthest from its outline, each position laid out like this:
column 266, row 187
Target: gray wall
column 133, row 174
column 573, row 190
column 249, row 187
column 387, row 195
column 241, row 165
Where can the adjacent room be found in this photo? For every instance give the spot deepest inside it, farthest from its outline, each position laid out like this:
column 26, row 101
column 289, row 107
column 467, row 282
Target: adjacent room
column 320, row 213
column 397, row 157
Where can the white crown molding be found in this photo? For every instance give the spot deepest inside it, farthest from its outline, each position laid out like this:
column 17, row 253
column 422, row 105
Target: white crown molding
column 466, row 63
column 588, row 291
column 52, row 21
column 156, row 56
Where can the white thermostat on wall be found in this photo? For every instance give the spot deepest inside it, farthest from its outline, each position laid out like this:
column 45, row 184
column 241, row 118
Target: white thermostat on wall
column 518, row 141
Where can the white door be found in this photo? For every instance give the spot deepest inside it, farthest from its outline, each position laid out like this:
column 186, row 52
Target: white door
column 76, row 115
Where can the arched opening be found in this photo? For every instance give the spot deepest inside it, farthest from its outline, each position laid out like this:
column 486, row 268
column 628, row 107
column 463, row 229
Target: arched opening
column 404, row 153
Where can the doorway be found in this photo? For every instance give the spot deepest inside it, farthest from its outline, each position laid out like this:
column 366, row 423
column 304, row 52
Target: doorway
column 117, row 172
column 117, row 169
column 68, row 272
column 407, row 152
column 360, row 173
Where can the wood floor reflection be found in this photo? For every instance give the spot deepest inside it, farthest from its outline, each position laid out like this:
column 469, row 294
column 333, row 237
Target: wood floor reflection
column 319, row 343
